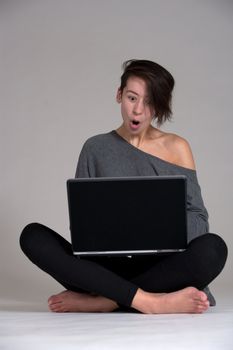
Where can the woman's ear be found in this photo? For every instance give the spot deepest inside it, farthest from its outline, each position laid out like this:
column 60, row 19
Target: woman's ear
column 118, row 96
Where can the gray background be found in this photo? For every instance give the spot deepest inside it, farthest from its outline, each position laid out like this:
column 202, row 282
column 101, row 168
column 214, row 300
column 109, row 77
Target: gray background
column 60, row 68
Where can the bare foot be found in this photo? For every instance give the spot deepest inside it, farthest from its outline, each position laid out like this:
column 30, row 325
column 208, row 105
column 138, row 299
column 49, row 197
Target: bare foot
column 68, row 301
column 188, row 300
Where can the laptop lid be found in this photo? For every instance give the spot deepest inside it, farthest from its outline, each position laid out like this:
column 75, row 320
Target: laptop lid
column 127, row 216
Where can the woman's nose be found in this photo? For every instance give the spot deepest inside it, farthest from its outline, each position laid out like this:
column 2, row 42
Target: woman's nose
column 138, row 107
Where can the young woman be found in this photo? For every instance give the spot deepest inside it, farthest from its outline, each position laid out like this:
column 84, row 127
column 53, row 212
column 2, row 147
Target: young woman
column 176, row 283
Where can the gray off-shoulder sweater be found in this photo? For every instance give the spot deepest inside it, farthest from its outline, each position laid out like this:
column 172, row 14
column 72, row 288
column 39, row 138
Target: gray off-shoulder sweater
column 109, row 155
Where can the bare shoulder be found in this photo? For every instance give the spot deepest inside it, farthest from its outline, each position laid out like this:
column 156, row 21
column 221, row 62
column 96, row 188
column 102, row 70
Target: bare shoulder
column 181, row 150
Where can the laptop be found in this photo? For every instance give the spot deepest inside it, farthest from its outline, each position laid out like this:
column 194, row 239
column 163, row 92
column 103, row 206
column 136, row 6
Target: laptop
column 127, row 216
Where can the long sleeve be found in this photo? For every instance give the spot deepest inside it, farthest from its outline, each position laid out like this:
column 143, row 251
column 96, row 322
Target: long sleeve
column 197, row 214
column 82, row 169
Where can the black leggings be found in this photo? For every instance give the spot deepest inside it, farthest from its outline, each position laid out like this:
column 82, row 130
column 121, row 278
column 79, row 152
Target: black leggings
column 118, row 278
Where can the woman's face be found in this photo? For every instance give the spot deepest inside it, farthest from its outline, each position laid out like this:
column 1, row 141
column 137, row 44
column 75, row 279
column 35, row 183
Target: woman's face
column 136, row 111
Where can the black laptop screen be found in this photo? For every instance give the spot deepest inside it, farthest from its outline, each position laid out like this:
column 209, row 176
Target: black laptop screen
column 129, row 214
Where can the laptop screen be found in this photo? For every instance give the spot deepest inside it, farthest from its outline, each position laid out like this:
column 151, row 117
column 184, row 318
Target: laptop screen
column 127, row 215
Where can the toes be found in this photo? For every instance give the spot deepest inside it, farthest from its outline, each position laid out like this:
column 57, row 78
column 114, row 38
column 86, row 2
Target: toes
column 197, row 294
column 53, row 307
column 198, row 300
column 55, row 303
column 203, row 306
column 58, row 307
column 203, row 296
column 50, row 299
column 54, row 299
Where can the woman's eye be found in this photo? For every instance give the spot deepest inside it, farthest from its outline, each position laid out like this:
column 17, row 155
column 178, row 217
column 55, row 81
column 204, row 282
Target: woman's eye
column 132, row 98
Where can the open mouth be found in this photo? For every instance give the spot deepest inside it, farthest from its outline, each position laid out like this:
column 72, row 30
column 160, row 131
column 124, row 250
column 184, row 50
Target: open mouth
column 134, row 124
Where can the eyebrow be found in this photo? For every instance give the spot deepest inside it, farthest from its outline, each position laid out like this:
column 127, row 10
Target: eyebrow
column 135, row 93
column 132, row 92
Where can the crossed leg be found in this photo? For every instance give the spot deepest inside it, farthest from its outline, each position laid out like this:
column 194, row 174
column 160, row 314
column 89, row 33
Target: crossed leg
column 158, row 290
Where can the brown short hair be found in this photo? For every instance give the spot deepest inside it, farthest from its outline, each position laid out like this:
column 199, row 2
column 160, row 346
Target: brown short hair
column 159, row 82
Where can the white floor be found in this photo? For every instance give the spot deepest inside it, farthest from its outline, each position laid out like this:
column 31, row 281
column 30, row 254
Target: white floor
column 31, row 326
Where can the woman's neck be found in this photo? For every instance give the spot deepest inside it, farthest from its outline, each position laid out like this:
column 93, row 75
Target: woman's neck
column 137, row 140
